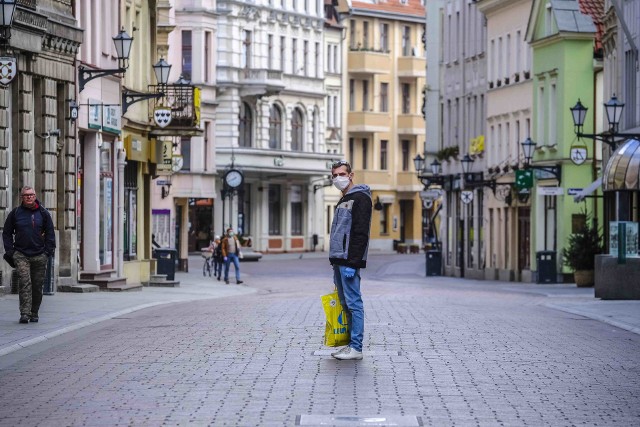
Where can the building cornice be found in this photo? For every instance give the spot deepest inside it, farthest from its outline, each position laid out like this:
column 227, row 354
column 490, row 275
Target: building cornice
column 391, row 16
column 491, row 6
column 559, row 37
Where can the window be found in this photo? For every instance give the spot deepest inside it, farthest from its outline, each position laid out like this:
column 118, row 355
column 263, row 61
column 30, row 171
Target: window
column 553, row 115
column 207, row 134
column 270, row 50
column 315, row 124
column 384, row 144
column 246, row 50
column 296, row 210
column 365, row 153
column 352, row 95
column 384, row 37
column 297, row 130
column 406, row 41
column 405, row 154
column 351, row 148
column 185, row 152
column 365, row 95
column 186, row 54
column 406, row 98
column 283, row 45
column 305, row 63
column 246, row 123
column 352, row 34
column 294, row 57
column 207, row 55
column 384, row 219
column 365, row 35
column 384, row 97
column 130, row 210
column 275, row 127
column 317, row 60
column 275, row 210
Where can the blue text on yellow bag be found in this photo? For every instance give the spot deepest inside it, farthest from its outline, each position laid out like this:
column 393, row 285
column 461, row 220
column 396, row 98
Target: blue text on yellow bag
column 336, row 330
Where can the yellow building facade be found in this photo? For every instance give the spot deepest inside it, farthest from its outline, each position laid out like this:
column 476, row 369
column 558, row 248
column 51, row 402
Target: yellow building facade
column 385, row 124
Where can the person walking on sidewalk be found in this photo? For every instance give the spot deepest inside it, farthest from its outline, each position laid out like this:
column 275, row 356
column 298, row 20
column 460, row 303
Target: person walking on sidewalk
column 348, row 247
column 230, row 254
column 29, row 240
column 217, row 257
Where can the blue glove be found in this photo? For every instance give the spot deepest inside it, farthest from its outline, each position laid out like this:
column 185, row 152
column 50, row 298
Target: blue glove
column 225, row 259
column 349, row 272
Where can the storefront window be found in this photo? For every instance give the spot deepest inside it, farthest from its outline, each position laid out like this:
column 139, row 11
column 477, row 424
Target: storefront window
column 296, row 210
column 275, row 210
column 106, row 205
column 130, row 237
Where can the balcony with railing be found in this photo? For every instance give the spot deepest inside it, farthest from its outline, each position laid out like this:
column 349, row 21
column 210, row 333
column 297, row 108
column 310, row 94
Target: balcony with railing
column 369, row 62
column 411, row 66
column 260, row 82
column 184, row 102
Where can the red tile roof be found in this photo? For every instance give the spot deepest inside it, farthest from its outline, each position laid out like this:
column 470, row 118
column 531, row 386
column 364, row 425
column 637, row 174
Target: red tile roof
column 595, row 9
column 413, row 7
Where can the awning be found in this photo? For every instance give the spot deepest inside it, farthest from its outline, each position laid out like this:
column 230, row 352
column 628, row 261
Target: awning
column 587, row 191
column 622, row 171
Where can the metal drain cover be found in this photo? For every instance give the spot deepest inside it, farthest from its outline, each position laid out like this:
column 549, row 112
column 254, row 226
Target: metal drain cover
column 354, row 421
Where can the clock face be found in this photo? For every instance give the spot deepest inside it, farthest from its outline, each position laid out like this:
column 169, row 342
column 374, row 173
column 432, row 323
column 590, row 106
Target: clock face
column 177, row 163
column 234, row 178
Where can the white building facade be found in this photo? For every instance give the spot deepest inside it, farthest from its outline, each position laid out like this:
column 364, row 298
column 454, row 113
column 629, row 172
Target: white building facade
column 271, row 122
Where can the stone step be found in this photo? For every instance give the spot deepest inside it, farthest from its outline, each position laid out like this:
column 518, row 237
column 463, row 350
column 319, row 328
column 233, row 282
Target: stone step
column 93, row 275
column 158, row 277
column 78, row 288
column 163, row 283
column 104, row 282
column 123, row 287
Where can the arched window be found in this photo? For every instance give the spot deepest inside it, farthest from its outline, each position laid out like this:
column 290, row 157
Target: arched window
column 297, row 130
column 245, row 126
column 275, row 127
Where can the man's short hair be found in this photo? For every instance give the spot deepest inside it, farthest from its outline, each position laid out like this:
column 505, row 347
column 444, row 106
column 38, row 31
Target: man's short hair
column 25, row 188
column 339, row 163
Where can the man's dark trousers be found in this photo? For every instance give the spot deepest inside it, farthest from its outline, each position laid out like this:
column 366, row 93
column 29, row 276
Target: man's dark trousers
column 31, row 272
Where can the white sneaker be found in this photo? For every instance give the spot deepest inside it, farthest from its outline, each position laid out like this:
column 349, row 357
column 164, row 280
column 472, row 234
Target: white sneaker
column 342, row 350
column 348, row 353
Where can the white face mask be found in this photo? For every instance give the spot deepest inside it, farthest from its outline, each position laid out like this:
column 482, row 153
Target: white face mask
column 341, row 182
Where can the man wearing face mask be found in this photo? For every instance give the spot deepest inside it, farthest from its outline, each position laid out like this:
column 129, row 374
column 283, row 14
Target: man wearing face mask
column 230, row 250
column 349, row 243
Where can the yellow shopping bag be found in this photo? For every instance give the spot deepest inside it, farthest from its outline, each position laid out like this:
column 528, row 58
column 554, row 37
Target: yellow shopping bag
column 337, row 330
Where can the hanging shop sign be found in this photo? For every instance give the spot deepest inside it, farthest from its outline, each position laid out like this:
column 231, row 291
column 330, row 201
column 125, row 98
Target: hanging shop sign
column 524, row 179
column 578, row 153
column 8, row 69
column 162, row 116
column 466, row 197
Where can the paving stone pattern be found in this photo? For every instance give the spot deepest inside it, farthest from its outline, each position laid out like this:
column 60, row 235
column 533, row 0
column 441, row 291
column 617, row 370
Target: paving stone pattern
column 443, row 351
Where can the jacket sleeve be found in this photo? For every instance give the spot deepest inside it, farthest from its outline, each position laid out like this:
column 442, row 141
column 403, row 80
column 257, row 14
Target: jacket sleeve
column 7, row 233
column 224, row 246
column 360, row 229
column 49, row 235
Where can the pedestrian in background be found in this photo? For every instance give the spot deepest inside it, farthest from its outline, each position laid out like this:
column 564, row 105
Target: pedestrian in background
column 217, row 257
column 348, row 247
column 230, row 254
column 29, row 240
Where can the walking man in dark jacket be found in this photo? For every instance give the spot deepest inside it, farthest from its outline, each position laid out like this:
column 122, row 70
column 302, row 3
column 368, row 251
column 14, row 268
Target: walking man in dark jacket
column 348, row 246
column 29, row 240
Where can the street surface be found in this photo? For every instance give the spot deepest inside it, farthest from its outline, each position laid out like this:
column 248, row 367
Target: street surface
column 437, row 352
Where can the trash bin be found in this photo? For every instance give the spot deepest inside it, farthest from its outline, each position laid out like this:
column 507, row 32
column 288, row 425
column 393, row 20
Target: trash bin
column 166, row 262
column 49, row 285
column 434, row 262
column 547, row 269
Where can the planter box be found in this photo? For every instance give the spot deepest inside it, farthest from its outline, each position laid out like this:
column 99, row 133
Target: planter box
column 617, row 281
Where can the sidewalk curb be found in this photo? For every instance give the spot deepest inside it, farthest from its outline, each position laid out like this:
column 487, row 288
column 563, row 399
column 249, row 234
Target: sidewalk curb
column 604, row 319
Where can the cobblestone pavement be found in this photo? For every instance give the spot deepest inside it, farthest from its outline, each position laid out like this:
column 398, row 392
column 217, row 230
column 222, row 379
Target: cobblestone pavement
column 438, row 351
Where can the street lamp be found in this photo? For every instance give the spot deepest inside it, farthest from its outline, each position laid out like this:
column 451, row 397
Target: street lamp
column 7, row 9
column 474, row 180
column 528, row 148
column 613, row 109
column 420, row 164
column 129, row 97
column 122, row 42
column 162, row 69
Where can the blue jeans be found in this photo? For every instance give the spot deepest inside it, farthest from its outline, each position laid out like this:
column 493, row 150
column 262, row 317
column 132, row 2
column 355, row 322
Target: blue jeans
column 351, row 300
column 217, row 267
column 232, row 258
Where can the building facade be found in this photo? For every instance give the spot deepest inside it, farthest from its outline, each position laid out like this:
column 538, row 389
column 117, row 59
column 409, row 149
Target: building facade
column 38, row 141
column 463, row 87
column 385, row 122
column 509, row 101
column 270, row 122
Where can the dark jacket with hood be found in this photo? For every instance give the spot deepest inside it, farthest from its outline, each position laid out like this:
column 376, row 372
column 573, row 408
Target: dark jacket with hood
column 349, row 239
column 29, row 231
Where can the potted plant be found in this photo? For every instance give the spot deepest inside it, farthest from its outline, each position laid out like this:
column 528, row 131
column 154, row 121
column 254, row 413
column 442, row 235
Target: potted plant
column 580, row 253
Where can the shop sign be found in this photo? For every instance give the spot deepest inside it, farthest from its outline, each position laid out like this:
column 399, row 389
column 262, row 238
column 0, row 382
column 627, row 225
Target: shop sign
column 8, row 69
column 111, row 116
column 550, row 191
column 95, row 116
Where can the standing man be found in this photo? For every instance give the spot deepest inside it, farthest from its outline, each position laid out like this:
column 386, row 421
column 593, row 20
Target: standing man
column 348, row 246
column 230, row 252
column 29, row 241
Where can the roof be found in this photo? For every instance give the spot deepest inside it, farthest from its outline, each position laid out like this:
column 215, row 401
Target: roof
column 595, row 9
column 622, row 171
column 412, row 7
column 569, row 18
